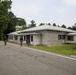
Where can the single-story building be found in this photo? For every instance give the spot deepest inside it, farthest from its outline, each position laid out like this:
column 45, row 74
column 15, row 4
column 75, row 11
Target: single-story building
column 44, row 35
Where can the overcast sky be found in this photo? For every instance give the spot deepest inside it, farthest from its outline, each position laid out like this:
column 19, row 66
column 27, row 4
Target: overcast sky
column 46, row 11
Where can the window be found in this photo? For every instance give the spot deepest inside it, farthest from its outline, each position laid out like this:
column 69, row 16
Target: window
column 31, row 38
column 63, row 36
column 15, row 37
column 59, row 37
column 11, row 37
column 70, row 38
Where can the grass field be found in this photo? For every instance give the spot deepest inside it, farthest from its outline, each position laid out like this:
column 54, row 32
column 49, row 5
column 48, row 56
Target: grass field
column 67, row 49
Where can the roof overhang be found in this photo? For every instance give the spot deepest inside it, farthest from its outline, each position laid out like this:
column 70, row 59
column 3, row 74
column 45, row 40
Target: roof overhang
column 26, row 34
column 73, row 34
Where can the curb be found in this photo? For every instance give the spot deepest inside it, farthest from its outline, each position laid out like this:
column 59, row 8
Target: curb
column 74, row 56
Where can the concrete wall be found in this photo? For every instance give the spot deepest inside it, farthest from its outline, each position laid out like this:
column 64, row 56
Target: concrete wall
column 36, row 40
column 50, row 38
column 44, row 38
column 13, row 39
column 74, row 41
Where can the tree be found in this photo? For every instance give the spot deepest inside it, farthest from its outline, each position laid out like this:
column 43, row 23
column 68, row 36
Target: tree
column 21, row 22
column 11, row 23
column 42, row 24
column 74, row 27
column 8, row 20
column 7, row 4
column 58, row 26
column 33, row 24
column 63, row 26
column 54, row 24
column 49, row 24
column 3, row 19
column 69, row 27
column 24, row 28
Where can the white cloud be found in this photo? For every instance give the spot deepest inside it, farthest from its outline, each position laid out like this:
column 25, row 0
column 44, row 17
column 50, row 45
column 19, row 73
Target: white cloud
column 69, row 2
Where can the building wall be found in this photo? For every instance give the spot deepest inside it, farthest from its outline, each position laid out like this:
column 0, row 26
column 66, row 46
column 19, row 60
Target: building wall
column 14, row 38
column 74, row 40
column 44, row 38
column 53, row 38
column 36, row 40
column 50, row 38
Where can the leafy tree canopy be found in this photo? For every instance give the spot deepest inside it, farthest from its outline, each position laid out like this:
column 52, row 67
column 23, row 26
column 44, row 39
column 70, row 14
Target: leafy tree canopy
column 42, row 24
column 8, row 20
column 7, row 4
column 63, row 26
column 74, row 27
column 3, row 18
column 54, row 24
column 21, row 22
column 11, row 23
column 69, row 27
column 49, row 24
column 33, row 24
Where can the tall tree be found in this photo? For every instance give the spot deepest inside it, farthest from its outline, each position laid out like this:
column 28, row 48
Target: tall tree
column 7, row 4
column 8, row 20
column 33, row 24
column 11, row 23
column 3, row 18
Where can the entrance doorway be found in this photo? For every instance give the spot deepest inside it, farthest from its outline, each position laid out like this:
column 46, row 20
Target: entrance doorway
column 27, row 39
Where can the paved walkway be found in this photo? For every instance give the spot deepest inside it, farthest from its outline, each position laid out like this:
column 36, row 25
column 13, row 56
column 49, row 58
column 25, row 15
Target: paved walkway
column 16, row 60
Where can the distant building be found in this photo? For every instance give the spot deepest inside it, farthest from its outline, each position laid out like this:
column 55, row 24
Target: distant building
column 18, row 27
column 44, row 35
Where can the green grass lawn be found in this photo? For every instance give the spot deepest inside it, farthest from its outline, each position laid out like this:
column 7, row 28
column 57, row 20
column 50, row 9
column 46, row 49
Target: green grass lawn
column 67, row 49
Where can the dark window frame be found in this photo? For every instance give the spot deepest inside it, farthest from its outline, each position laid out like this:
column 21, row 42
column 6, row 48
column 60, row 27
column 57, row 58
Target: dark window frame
column 11, row 37
column 70, row 38
column 16, row 37
column 32, row 38
column 63, row 36
column 59, row 37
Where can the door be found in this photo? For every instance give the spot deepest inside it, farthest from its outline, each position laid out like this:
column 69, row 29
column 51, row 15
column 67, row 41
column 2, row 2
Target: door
column 27, row 39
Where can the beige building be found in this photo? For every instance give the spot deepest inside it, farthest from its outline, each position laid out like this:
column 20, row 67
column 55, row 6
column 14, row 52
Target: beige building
column 44, row 35
column 18, row 27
